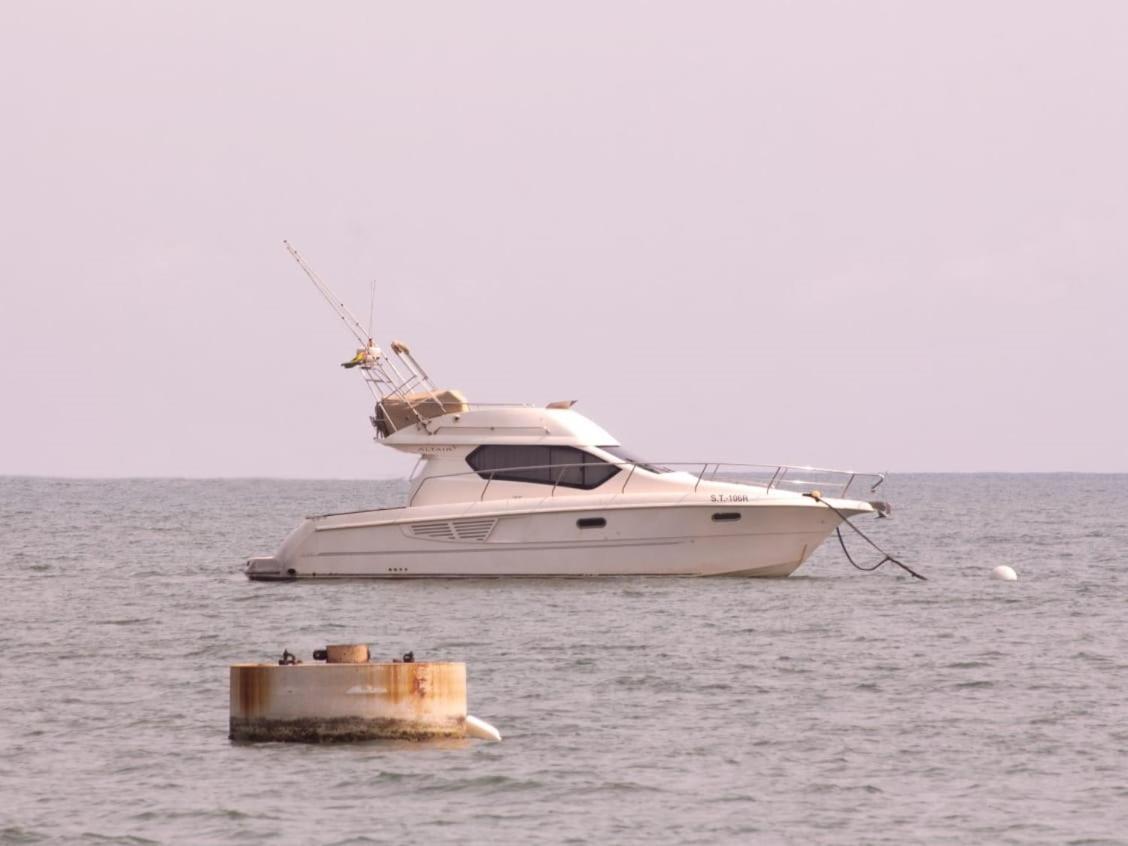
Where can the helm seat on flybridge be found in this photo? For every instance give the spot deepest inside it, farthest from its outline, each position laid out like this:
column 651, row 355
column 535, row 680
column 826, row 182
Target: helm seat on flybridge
column 394, row 413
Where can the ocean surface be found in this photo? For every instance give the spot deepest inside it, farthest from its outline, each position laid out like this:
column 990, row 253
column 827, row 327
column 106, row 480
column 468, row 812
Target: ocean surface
column 834, row 706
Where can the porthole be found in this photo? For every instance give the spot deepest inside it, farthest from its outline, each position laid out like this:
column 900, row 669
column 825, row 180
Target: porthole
column 591, row 523
column 725, row 516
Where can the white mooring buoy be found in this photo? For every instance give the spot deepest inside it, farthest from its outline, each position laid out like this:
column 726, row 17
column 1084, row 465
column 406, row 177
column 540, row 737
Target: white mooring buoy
column 481, row 729
column 1004, row 574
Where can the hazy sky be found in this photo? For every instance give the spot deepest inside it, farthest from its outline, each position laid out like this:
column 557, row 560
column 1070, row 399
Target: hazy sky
column 887, row 236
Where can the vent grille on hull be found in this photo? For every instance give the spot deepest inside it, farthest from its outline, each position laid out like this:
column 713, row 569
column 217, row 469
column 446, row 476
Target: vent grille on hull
column 465, row 529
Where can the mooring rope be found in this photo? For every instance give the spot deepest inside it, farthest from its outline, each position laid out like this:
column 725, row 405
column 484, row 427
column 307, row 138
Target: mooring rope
column 817, row 497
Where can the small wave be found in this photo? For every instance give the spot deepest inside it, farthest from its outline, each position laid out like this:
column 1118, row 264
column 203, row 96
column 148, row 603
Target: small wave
column 459, row 644
column 823, row 787
column 384, row 776
column 490, row 783
column 125, row 621
column 1093, row 657
column 215, row 813
column 14, row 834
column 235, row 814
column 615, row 786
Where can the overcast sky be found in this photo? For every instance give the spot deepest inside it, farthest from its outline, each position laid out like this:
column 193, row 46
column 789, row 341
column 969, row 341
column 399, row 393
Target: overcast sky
column 885, row 236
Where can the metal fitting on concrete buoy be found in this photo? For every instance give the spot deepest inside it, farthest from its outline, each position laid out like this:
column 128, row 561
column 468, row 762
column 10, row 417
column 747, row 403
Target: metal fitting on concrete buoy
column 343, row 653
column 350, row 697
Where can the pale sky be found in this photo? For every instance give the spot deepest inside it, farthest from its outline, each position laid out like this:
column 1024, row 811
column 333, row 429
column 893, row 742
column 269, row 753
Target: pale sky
column 882, row 236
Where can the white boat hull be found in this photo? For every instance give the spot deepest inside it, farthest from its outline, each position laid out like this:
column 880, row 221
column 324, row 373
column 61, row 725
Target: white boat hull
column 769, row 538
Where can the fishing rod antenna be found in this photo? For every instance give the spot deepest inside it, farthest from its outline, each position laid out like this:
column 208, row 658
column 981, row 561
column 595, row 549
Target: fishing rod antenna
column 335, row 302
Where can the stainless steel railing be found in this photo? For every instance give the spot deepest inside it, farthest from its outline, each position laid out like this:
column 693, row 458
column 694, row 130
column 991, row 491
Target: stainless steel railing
column 833, row 483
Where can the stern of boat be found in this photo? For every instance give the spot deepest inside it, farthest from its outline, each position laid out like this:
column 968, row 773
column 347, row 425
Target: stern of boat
column 266, row 569
column 281, row 566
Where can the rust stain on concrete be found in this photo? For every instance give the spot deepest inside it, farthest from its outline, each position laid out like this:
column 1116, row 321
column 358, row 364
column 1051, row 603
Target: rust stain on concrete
column 251, row 687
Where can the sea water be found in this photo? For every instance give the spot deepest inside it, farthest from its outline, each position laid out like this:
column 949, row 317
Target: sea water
column 834, row 706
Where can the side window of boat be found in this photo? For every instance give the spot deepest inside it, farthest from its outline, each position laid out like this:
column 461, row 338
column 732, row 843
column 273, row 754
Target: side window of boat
column 513, row 463
column 596, row 471
column 510, row 463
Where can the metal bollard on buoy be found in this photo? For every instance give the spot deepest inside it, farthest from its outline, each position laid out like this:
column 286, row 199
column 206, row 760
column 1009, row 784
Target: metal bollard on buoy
column 348, row 697
column 1004, row 573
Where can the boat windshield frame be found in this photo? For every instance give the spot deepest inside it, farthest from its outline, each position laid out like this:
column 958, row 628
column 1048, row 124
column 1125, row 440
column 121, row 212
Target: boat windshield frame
column 625, row 455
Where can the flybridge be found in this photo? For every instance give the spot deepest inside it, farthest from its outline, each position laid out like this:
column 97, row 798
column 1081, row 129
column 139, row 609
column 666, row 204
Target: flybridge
column 404, row 394
column 408, row 404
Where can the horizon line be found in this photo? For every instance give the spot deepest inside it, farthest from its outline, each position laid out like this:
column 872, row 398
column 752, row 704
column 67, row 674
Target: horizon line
column 260, row 478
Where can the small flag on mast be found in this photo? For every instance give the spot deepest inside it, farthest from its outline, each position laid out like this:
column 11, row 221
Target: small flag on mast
column 360, row 357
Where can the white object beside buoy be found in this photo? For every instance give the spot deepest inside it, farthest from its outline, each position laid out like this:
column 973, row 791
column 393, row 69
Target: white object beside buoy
column 481, row 729
column 1004, row 573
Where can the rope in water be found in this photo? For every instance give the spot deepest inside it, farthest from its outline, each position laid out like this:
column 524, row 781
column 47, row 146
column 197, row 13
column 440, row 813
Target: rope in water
column 887, row 559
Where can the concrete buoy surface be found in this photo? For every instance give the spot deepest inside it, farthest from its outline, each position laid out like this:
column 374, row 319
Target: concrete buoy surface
column 1004, row 574
column 351, row 698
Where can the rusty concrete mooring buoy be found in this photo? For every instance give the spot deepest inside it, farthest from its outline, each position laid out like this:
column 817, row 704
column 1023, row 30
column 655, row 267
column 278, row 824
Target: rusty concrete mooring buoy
column 349, row 697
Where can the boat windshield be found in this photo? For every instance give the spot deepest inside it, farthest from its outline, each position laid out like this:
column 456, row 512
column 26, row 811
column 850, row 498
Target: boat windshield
column 624, row 454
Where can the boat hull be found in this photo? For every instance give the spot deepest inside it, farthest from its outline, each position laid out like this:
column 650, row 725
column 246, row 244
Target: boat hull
column 770, row 539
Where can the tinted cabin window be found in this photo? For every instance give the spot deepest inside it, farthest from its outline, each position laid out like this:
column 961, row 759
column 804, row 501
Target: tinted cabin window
column 725, row 516
column 502, row 462
column 512, row 463
column 591, row 522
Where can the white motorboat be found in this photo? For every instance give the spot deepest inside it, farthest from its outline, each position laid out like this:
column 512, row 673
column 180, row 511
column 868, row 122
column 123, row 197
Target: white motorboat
column 521, row 490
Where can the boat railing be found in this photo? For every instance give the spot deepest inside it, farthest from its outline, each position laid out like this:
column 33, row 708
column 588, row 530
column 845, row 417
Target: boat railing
column 797, row 479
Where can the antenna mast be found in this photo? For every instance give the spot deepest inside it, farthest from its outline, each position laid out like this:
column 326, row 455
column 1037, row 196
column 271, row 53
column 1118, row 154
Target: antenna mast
column 386, row 382
column 371, row 308
column 350, row 321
